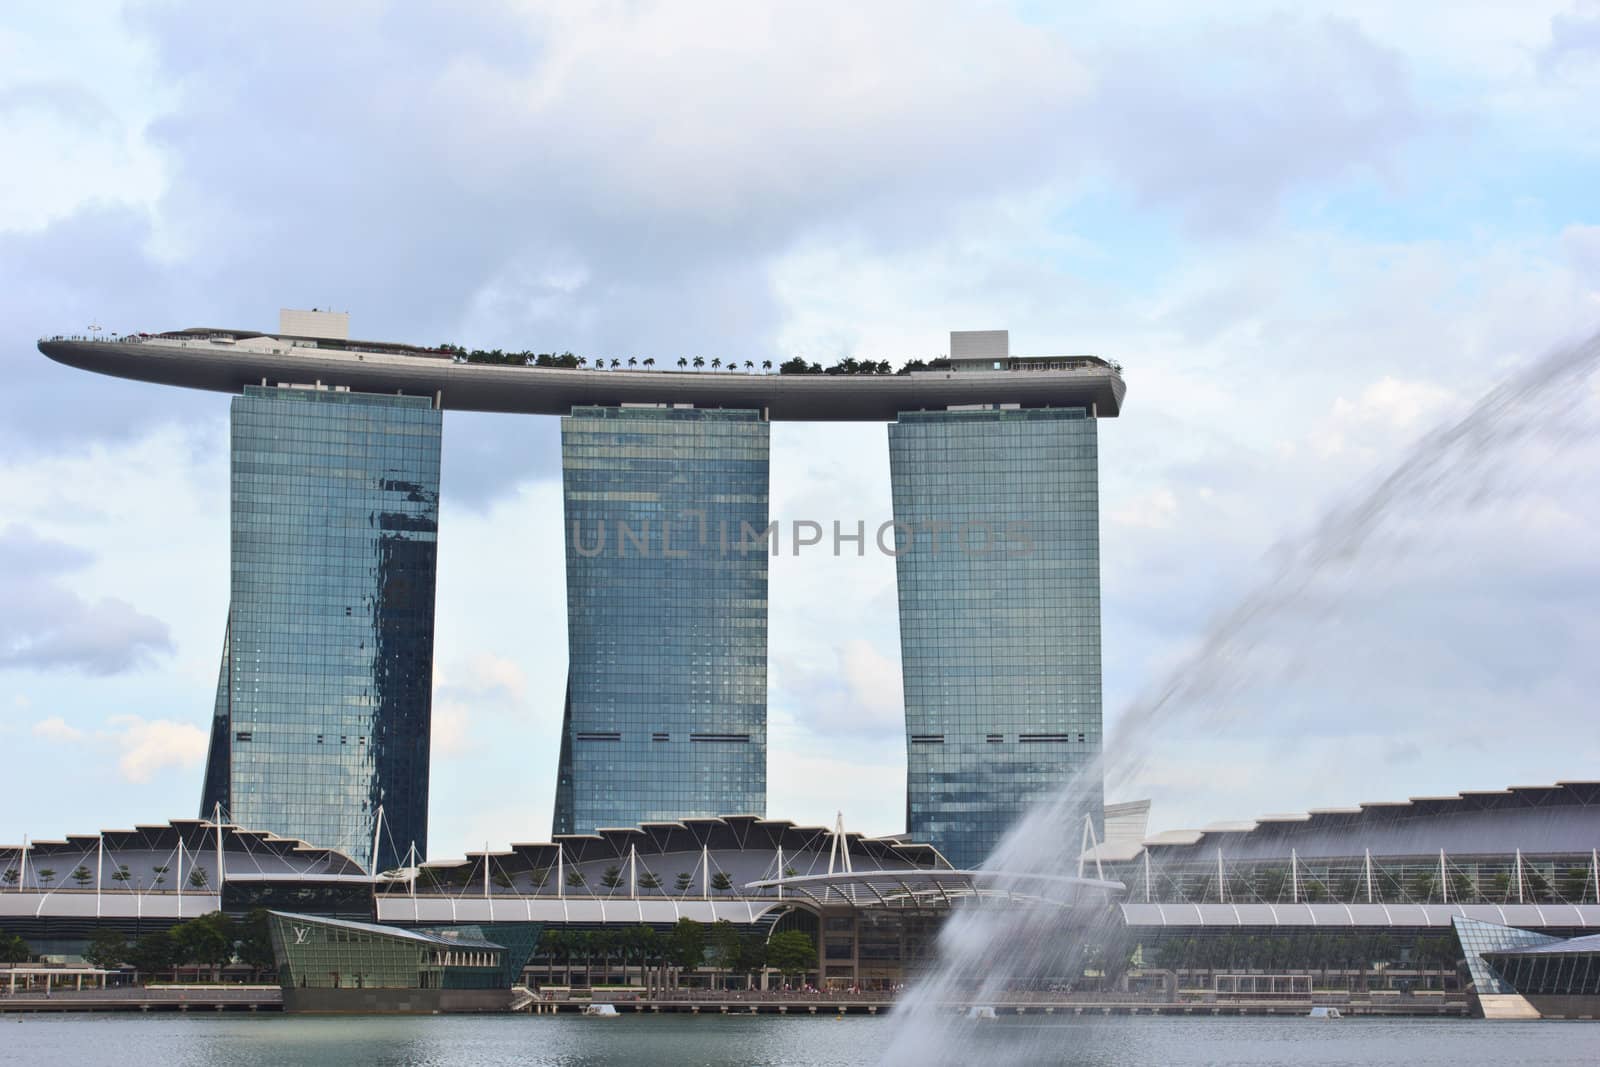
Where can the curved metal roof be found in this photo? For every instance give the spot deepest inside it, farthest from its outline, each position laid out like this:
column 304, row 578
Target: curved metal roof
column 252, row 851
column 1563, row 818
column 921, row 888
column 556, row 391
column 719, row 834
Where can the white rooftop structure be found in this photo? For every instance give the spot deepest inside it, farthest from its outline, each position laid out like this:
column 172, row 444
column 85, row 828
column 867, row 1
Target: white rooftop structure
column 330, row 325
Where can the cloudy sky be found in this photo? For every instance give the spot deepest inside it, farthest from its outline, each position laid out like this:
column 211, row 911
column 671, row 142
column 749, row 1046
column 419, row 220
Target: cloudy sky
column 1310, row 236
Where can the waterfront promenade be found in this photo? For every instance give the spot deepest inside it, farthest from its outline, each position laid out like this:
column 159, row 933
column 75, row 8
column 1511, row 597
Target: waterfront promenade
column 269, row 998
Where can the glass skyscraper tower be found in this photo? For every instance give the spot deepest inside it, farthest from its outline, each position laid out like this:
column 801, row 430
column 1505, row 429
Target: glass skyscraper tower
column 325, row 690
column 999, row 586
column 666, row 707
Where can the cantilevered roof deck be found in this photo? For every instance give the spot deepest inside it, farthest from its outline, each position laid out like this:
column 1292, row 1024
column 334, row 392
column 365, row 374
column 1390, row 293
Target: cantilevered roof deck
column 193, row 360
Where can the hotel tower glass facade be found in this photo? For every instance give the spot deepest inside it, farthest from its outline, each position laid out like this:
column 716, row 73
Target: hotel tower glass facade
column 666, row 707
column 325, row 690
column 999, row 586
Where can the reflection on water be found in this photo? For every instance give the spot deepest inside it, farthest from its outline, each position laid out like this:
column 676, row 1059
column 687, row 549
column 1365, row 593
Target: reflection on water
column 707, row 1041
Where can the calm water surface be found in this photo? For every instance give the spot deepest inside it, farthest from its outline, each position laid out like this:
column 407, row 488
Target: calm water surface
column 280, row 1041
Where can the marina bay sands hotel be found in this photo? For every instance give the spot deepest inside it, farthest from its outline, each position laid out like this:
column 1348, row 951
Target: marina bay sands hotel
column 324, row 692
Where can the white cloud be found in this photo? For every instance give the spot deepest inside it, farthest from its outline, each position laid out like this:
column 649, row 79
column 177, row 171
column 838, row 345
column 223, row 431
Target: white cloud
column 1386, row 412
column 873, row 678
column 1582, row 245
column 55, row 728
column 1267, row 106
column 1399, row 404
column 83, row 132
column 450, row 727
column 47, row 626
column 147, row 747
column 869, row 791
column 480, row 682
column 715, row 121
column 484, row 674
column 1154, row 510
column 617, row 180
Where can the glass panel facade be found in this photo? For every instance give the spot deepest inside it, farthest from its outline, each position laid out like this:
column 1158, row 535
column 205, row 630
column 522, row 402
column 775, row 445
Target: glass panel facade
column 323, row 706
column 1478, row 938
column 666, row 711
column 999, row 585
column 1550, row 974
column 215, row 789
column 316, row 953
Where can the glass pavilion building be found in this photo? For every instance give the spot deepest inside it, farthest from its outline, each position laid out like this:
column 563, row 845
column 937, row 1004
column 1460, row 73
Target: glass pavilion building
column 666, row 705
column 999, row 588
column 325, row 689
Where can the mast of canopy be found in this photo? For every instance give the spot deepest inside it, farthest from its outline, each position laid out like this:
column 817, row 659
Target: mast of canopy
column 377, row 831
column 216, row 817
column 839, row 849
column 1089, row 840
